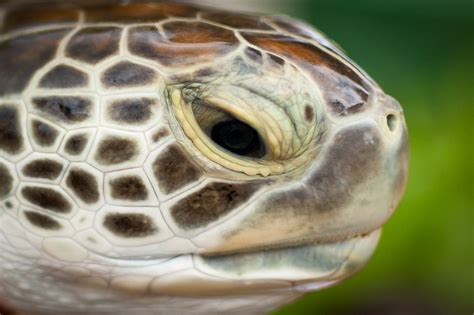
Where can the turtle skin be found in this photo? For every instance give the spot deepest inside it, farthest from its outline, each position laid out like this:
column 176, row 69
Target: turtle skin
column 161, row 157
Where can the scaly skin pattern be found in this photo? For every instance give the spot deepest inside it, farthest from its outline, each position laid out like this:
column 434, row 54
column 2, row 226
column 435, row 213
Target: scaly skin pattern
column 114, row 196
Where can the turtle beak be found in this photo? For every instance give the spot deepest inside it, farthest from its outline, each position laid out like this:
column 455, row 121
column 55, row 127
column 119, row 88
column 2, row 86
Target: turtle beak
column 299, row 268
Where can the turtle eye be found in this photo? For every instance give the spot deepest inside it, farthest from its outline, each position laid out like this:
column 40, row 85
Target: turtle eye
column 228, row 132
column 238, row 138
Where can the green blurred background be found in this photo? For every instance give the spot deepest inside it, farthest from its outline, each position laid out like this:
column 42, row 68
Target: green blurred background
column 421, row 52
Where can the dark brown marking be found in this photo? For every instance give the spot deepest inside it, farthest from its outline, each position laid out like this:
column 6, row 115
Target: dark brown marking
column 94, row 44
column 84, row 185
column 128, row 74
column 22, row 56
column 138, row 12
column 20, row 19
column 9, row 205
column 210, row 204
column 76, row 144
column 308, row 113
column 131, row 111
column 43, row 168
column 174, row 170
column 308, row 56
column 69, row 109
column 44, row 134
column 236, row 20
column 62, row 77
column 130, row 225
column 42, row 221
column 11, row 139
column 160, row 134
column 129, row 188
column 6, row 181
column 182, row 44
column 254, row 54
column 116, row 150
column 46, row 198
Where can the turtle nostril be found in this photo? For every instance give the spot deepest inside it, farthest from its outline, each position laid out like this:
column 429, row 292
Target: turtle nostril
column 392, row 122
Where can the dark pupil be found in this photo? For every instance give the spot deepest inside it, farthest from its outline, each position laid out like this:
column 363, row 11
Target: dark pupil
column 236, row 137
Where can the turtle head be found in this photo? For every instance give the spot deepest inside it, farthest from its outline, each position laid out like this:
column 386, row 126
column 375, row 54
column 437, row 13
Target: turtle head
column 307, row 158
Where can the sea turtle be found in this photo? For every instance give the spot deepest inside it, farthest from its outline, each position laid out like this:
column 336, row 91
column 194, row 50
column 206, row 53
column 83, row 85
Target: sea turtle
column 158, row 157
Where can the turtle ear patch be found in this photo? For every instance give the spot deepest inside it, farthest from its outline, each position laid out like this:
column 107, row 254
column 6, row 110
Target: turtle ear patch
column 42, row 221
column 11, row 140
column 130, row 225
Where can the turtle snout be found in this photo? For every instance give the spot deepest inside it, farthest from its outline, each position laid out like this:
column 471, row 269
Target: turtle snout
column 391, row 121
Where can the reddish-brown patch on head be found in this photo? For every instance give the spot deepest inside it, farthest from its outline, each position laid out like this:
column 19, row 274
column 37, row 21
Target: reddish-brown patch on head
column 303, row 53
column 346, row 91
column 138, row 12
column 183, row 43
column 240, row 21
column 19, row 19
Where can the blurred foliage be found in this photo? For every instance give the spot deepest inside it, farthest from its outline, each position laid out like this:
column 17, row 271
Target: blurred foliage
column 421, row 52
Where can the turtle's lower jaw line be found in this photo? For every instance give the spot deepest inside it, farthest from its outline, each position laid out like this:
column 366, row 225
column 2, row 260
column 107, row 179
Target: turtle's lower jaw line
column 299, row 268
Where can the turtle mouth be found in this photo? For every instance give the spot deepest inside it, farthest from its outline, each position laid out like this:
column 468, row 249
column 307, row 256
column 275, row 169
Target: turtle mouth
column 299, row 268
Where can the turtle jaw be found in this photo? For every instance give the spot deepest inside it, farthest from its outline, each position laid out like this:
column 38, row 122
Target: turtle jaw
column 298, row 268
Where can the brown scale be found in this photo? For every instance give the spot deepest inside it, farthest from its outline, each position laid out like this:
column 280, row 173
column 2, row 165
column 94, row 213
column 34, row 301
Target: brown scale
column 130, row 225
column 22, row 56
column 62, row 77
column 173, row 170
column 210, row 203
column 84, row 185
column 76, row 144
column 127, row 74
column 128, row 188
column 94, row 44
column 182, row 44
column 116, row 150
column 43, row 168
column 132, row 111
column 69, row 109
column 44, row 134
column 42, row 221
column 47, row 198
